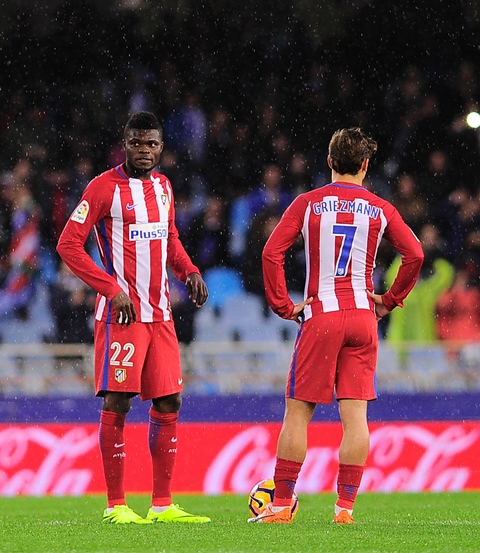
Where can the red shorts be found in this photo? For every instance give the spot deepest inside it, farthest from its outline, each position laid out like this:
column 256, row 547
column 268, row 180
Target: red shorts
column 335, row 353
column 142, row 358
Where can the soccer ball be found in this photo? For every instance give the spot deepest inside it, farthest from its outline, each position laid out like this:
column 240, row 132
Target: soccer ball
column 262, row 494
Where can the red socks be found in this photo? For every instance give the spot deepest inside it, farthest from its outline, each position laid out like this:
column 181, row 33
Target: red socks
column 348, row 482
column 285, row 477
column 162, row 441
column 112, row 449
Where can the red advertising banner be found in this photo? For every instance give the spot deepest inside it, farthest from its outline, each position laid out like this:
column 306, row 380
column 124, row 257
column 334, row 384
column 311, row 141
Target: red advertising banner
column 214, row 458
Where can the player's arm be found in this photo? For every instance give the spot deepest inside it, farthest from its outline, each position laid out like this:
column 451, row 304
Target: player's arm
column 400, row 235
column 380, row 308
column 273, row 263
column 71, row 244
column 181, row 264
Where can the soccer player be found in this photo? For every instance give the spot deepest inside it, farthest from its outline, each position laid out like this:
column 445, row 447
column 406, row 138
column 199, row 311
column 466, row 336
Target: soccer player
column 131, row 209
column 335, row 352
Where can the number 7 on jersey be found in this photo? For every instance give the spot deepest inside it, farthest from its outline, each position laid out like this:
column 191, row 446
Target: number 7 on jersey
column 347, row 232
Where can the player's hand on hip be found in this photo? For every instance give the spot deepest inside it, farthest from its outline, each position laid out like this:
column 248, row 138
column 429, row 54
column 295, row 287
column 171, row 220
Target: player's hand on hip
column 197, row 289
column 298, row 310
column 380, row 309
column 124, row 308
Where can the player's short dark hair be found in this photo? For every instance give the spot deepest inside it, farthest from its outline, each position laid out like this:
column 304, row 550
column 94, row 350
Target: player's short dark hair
column 349, row 148
column 143, row 120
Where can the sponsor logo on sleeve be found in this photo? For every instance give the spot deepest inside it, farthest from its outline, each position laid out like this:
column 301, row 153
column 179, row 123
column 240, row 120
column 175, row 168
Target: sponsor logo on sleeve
column 81, row 212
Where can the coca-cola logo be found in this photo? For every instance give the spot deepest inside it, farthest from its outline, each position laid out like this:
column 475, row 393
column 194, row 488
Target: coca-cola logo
column 55, row 473
column 64, row 459
column 435, row 468
column 244, row 460
column 407, row 457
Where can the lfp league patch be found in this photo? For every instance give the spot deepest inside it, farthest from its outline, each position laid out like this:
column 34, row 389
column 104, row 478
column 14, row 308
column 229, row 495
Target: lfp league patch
column 81, row 212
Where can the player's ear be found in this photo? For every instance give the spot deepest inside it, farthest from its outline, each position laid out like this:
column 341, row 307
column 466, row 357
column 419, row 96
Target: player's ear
column 365, row 164
column 329, row 161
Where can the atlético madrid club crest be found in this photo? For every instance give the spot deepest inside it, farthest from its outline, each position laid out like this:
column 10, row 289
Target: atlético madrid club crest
column 165, row 201
column 120, row 375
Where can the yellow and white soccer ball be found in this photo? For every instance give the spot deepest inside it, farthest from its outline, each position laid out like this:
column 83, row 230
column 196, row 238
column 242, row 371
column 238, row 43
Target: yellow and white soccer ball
column 262, row 494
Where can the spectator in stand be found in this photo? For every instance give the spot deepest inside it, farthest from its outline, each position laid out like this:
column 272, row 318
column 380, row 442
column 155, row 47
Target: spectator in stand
column 141, row 97
column 264, row 134
column 403, row 105
column 345, row 104
column 178, row 176
column 281, row 150
column 458, row 218
column 298, row 176
column 208, row 237
column 30, row 131
column 72, row 303
column 58, row 184
column 240, row 160
column 438, row 180
column 260, row 230
column 472, row 237
column 314, row 100
column 270, row 193
column 83, row 171
column 463, row 88
column 183, row 311
column 407, row 198
column 5, row 224
column 187, row 129
column 428, row 133
column 20, row 265
column 416, row 322
column 458, row 308
column 458, row 319
column 463, row 98
column 218, row 150
column 55, row 191
column 190, row 195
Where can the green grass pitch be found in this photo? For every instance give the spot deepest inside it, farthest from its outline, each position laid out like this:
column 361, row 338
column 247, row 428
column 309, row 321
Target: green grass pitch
column 385, row 523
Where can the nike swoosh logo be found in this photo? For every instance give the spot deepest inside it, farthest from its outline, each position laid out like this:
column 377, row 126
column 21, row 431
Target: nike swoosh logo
column 130, row 206
column 180, row 380
column 174, row 440
column 119, row 445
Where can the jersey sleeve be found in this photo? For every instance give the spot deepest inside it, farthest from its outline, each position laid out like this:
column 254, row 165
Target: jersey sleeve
column 94, row 205
column 177, row 258
column 273, row 258
column 402, row 238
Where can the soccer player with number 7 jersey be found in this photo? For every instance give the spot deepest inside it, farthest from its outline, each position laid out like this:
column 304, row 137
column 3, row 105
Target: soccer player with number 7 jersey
column 131, row 209
column 335, row 352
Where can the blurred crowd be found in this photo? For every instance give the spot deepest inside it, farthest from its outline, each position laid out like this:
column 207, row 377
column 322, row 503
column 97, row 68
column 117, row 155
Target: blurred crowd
column 248, row 108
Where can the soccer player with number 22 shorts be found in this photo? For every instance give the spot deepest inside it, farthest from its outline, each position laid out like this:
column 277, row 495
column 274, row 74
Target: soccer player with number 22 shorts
column 335, row 352
column 131, row 209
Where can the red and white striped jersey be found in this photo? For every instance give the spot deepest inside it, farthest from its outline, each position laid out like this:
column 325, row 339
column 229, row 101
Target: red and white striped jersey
column 342, row 225
column 134, row 224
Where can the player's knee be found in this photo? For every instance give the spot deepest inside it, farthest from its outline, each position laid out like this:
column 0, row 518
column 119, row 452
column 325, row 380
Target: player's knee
column 117, row 403
column 168, row 404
